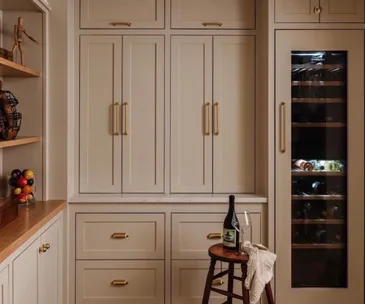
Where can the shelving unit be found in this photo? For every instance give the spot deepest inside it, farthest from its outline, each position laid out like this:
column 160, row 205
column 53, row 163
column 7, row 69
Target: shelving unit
column 13, row 69
column 317, row 173
column 19, row 141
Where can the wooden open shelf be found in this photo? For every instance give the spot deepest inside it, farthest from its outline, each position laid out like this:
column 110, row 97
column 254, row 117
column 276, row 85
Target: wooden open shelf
column 318, row 100
column 318, row 246
column 318, row 83
column 11, row 69
column 19, row 141
column 318, row 124
column 317, row 173
column 319, row 221
column 318, row 197
column 315, row 66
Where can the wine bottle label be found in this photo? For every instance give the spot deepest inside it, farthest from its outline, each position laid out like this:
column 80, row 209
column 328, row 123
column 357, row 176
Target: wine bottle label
column 229, row 237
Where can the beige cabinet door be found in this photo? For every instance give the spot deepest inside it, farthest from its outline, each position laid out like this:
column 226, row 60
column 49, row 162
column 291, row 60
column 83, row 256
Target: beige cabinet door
column 120, row 282
column 296, row 10
column 314, row 253
column 50, row 279
column 191, row 105
column 122, row 14
column 25, row 275
column 100, row 114
column 238, row 14
column 342, row 11
column 234, row 114
column 143, row 114
column 4, row 286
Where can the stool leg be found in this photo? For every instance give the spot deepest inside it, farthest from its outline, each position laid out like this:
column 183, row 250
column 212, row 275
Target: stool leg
column 270, row 297
column 208, row 283
column 230, row 281
column 245, row 293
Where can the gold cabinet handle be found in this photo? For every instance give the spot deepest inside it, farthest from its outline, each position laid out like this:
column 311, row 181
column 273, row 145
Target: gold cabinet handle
column 282, row 127
column 119, row 282
column 44, row 248
column 207, row 118
column 121, row 23
column 218, row 282
column 216, row 118
column 119, row 235
column 116, row 119
column 212, row 236
column 212, row 23
column 125, row 105
column 317, row 10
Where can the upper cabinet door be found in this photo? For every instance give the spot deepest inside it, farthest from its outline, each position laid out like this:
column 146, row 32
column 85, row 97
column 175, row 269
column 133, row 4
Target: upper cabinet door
column 342, row 11
column 122, row 14
column 237, row 14
column 100, row 97
column 233, row 114
column 143, row 114
column 191, row 105
column 297, row 10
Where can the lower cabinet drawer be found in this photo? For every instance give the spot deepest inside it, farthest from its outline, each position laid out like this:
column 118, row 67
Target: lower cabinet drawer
column 120, row 282
column 188, row 282
column 120, row 236
column 193, row 234
column 4, row 286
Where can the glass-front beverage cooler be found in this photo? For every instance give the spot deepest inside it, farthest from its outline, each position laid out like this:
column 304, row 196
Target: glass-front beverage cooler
column 319, row 172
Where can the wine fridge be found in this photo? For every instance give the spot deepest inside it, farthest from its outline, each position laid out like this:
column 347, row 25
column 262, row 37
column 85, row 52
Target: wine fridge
column 320, row 166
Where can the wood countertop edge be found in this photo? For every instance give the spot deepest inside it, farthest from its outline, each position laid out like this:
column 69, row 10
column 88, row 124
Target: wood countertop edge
column 8, row 249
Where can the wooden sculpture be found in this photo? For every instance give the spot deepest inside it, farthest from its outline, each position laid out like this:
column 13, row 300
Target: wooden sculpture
column 19, row 30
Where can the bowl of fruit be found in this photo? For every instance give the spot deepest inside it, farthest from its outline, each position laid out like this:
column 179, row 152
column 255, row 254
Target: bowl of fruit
column 22, row 185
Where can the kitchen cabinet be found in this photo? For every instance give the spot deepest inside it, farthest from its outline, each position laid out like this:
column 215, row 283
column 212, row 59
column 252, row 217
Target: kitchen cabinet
column 4, row 286
column 319, row 11
column 122, row 125
column 121, row 14
column 239, row 14
column 319, row 187
column 212, row 114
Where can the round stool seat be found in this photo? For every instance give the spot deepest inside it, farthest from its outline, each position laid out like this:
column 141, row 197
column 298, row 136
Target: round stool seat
column 218, row 252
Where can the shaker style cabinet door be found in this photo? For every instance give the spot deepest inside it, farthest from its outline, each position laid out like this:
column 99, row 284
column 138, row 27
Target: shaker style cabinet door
column 4, row 286
column 233, row 114
column 342, row 11
column 191, row 105
column 320, row 176
column 100, row 114
column 122, row 14
column 235, row 14
column 143, row 114
column 297, row 10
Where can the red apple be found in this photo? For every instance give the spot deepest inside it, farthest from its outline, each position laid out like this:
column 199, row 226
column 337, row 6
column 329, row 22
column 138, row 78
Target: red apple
column 22, row 182
column 22, row 198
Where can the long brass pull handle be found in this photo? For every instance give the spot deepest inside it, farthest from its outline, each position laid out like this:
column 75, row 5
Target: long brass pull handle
column 121, row 23
column 207, row 118
column 212, row 236
column 212, row 23
column 216, row 118
column 282, row 127
column 218, row 282
column 125, row 105
column 116, row 118
column 44, row 248
column 119, row 235
column 317, row 10
column 119, row 282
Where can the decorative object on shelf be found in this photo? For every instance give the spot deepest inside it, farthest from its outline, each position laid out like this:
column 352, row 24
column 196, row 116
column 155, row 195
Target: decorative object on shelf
column 10, row 118
column 318, row 165
column 8, row 55
column 8, row 211
column 22, row 186
column 19, row 30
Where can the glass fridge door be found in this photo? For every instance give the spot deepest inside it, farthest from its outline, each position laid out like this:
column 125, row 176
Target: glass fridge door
column 318, row 176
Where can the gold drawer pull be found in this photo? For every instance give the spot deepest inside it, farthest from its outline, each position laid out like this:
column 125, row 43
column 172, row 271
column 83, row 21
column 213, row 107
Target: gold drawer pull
column 218, row 282
column 119, row 282
column 116, row 121
column 317, row 10
column 212, row 23
column 121, row 23
column 207, row 118
column 212, row 236
column 118, row 235
column 44, row 248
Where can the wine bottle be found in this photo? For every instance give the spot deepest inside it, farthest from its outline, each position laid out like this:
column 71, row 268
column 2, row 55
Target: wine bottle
column 231, row 227
column 318, row 188
column 304, row 165
column 320, row 236
column 307, row 210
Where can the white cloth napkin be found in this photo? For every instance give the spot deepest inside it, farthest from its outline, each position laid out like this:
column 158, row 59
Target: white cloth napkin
column 260, row 268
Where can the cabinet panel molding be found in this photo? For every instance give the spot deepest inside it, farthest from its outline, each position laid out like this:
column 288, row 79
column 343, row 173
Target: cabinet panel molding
column 342, row 11
column 4, row 286
column 296, row 10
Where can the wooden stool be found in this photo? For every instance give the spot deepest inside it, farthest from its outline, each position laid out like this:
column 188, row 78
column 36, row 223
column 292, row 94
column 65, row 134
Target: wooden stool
column 218, row 253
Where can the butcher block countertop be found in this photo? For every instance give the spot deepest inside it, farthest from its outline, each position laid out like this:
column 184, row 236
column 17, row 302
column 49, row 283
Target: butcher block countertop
column 29, row 221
